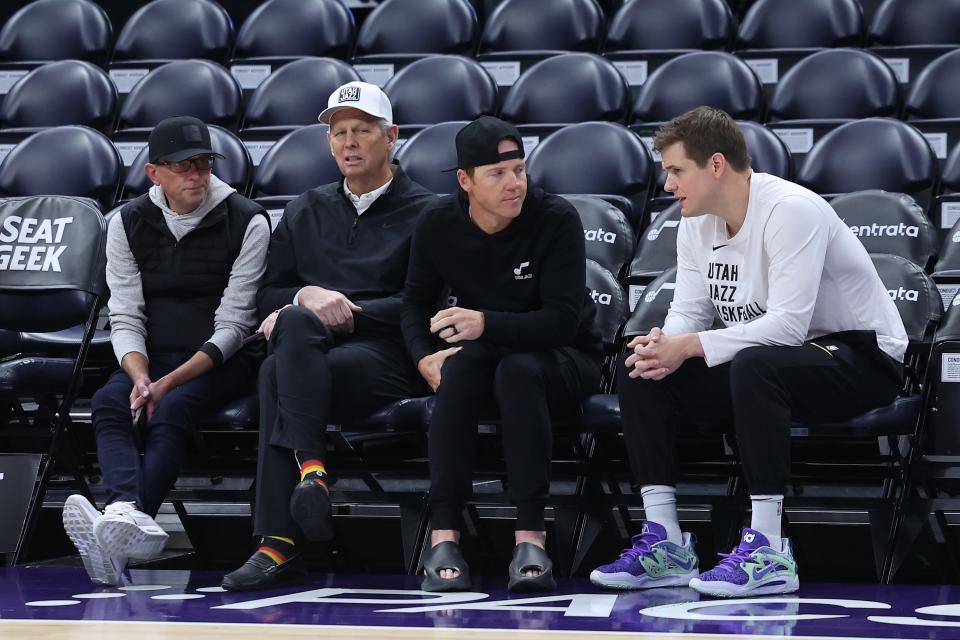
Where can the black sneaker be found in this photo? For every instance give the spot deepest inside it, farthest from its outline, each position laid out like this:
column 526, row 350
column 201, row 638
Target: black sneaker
column 260, row 572
column 310, row 508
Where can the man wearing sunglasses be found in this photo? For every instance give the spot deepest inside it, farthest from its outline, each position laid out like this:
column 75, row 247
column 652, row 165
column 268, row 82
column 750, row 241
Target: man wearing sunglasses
column 184, row 262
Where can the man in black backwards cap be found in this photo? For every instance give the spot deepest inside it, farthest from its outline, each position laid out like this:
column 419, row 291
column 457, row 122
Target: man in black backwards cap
column 184, row 261
column 519, row 338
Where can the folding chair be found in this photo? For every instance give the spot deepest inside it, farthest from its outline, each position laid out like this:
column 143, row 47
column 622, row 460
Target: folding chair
column 52, row 277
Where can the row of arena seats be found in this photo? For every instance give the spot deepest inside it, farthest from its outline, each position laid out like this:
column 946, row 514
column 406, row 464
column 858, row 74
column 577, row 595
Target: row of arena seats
column 586, row 158
column 172, row 29
column 826, row 90
column 563, row 88
column 885, row 443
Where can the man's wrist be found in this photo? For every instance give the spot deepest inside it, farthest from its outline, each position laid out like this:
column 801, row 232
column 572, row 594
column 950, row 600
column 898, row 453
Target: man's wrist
column 693, row 348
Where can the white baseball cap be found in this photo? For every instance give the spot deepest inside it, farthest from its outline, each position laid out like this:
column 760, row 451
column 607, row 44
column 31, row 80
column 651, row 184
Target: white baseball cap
column 358, row 95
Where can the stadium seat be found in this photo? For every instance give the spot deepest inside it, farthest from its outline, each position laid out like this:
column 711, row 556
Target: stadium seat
column 775, row 34
column 768, row 153
column 828, row 88
column 280, row 31
column 946, row 206
column 711, row 78
column 68, row 161
column 606, row 232
column 291, row 97
column 440, row 89
column 299, row 161
column 176, row 30
column 47, row 30
column 643, row 34
column 59, row 93
column 427, row 155
column 874, row 153
column 611, row 304
column 55, row 290
column 295, row 29
column 656, row 252
column 932, row 105
column 946, row 273
column 519, row 33
column 596, row 158
column 398, row 32
column 197, row 88
column 910, row 34
column 165, row 30
column 938, row 466
column 565, row 89
column 890, row 223
column 235, row 168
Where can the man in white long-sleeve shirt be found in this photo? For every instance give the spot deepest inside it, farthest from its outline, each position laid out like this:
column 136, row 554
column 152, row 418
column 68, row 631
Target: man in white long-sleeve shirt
column 810, row 334
column 183, row 265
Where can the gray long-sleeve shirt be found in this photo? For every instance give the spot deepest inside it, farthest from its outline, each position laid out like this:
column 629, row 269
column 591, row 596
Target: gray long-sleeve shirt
column 235, row 317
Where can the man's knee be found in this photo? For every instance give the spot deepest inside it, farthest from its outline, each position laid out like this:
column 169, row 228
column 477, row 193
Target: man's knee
column 111, row 397
column 518, row 374
column 299, row 324
column 752, row 363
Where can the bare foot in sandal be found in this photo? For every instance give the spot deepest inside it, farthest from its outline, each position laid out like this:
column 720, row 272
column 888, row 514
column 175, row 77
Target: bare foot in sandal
column 445, row 535
column 443, row 566
column 538, row 538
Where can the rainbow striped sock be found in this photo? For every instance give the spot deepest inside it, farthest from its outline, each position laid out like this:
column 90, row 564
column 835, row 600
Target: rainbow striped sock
column 312, row 467
column 277, row 548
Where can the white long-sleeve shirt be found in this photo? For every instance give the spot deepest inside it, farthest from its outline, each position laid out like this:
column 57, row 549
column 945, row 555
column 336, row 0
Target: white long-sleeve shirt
column 793, row 272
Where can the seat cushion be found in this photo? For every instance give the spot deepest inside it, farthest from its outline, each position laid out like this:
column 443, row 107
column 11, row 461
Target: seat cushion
column 897, row 418
column 34, row 374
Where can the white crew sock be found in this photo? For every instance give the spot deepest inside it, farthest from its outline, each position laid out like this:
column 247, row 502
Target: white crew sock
column 767, row 511
column 660, row 506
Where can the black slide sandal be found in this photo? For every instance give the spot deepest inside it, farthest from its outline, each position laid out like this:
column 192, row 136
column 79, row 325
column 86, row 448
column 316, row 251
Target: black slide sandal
column 445, row 555
column 526, row 556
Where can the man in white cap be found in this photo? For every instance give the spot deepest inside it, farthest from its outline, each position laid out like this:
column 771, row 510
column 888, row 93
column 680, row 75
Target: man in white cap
column 330, row 303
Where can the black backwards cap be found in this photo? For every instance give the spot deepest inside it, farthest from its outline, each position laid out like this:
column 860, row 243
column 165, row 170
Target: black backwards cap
column 477, row 143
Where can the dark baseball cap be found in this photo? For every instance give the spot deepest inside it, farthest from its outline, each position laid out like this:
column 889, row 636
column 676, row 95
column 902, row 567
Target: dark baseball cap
column 477, row 142
column 179, row 138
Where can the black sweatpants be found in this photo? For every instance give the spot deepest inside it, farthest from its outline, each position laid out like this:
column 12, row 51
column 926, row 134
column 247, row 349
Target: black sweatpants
column 310, row 379
column 527, row 388
column 832, row 378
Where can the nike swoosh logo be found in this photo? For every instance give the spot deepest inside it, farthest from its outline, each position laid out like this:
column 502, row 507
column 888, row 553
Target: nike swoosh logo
column 686, row 566
column 720, row 246
column 758, row 574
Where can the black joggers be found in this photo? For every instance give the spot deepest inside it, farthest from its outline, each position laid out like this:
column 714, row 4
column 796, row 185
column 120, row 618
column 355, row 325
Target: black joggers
column 527, row 389
column 832, row 378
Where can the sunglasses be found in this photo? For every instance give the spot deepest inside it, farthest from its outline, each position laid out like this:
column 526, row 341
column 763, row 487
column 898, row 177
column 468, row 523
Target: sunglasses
column 200, row 163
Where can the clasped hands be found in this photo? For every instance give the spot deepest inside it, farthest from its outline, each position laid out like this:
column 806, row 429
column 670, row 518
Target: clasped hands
column 657, row 355
column 334, row 310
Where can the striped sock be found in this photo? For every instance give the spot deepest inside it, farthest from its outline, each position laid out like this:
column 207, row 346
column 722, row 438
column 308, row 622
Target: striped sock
column 277, row 548
column 311, row 467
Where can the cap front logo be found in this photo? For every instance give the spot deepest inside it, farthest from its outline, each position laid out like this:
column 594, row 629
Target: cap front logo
column 349, row 94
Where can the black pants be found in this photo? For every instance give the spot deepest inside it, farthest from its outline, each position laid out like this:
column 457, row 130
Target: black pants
column 832, row 378
column 146, row 479
column 311, row 379
column 527, row 388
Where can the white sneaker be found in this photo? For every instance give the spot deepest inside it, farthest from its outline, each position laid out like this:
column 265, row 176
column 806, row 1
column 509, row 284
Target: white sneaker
column 124, row 530
column 79, row 519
